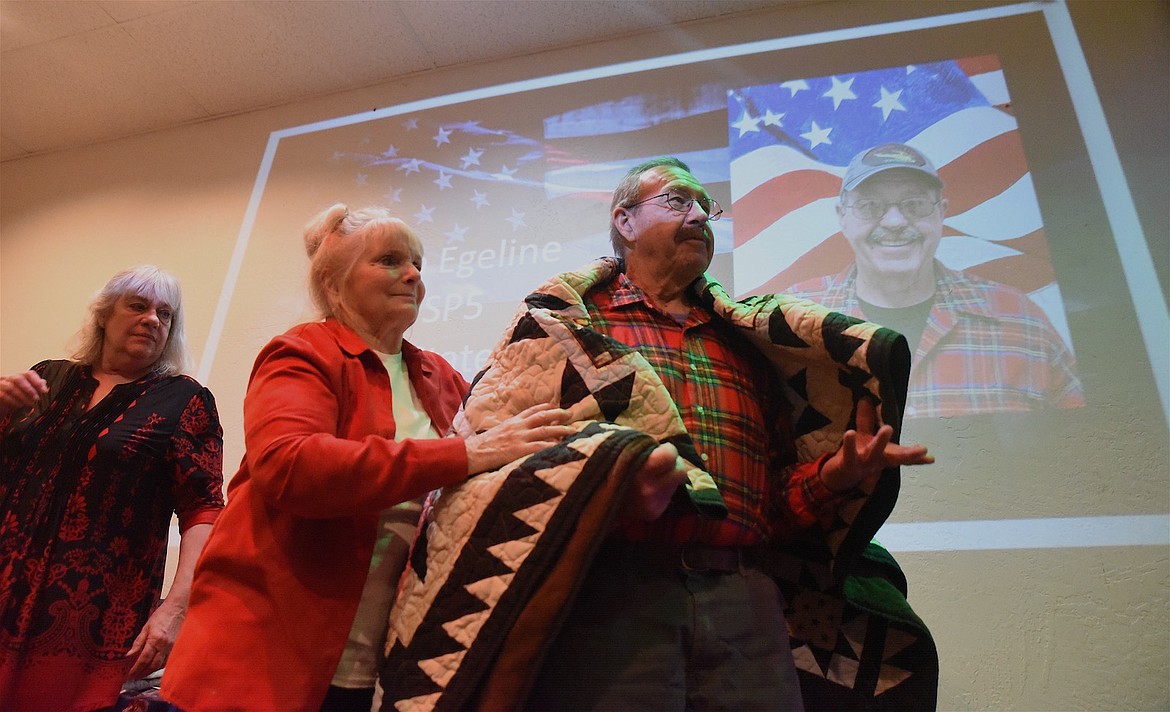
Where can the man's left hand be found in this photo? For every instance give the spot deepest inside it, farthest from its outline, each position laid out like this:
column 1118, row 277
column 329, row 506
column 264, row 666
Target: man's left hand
column 865, row 452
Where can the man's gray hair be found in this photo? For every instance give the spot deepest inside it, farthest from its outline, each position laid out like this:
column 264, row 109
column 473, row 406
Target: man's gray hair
column 629, row 190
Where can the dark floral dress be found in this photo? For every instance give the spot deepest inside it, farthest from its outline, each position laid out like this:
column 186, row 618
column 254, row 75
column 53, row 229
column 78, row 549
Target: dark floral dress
column 86, row 498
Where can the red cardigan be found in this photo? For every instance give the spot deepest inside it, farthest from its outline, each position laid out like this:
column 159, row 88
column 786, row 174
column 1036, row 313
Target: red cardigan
column 278, row 583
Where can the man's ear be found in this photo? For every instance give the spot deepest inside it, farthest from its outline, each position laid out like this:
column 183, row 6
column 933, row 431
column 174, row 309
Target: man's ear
column 621, row 220
column 942, row 207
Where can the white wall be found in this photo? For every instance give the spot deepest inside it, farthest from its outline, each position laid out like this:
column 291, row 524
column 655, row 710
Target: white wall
column 1066, row 628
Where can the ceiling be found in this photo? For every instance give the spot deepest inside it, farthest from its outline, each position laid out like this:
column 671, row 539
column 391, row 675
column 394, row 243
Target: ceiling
column 74, row 73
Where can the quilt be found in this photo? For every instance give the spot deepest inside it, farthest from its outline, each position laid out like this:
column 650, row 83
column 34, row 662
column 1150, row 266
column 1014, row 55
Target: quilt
column 498, row 560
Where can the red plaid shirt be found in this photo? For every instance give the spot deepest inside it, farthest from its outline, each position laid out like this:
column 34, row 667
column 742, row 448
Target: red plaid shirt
column 986, row 348
column 716, row 379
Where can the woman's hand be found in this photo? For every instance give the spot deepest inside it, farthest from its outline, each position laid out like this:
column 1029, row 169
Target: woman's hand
column 528, row 431
column 21, row 390
column 152, row 647
column 154, row 642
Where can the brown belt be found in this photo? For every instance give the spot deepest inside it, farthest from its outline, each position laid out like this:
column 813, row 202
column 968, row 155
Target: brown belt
column 692, row 558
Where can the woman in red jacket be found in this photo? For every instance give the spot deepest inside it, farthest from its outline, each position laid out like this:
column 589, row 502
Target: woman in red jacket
column 342, row 425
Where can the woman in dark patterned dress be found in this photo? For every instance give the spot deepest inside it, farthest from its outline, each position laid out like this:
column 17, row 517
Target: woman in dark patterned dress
column 95, row 455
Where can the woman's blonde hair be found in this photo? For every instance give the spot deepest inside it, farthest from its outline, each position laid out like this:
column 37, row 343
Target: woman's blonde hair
column 334, row 240
column 144, row 281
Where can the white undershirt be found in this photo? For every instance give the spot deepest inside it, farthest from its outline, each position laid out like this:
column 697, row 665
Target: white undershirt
column 358, row 667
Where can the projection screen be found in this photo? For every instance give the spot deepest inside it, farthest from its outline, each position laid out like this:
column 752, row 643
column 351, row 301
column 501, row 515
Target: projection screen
column 510, row 184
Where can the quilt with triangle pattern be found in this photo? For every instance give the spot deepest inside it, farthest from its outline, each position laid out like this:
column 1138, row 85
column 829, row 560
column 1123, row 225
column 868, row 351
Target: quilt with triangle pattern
column 499, row 559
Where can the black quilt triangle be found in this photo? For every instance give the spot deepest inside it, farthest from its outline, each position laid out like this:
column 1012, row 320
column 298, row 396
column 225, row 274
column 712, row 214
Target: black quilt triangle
column 854, row 379
column 527, row 328
column 781, row 334
column 808, row 419
column 573, row 388
column 602, row 350
column 840, row 345
column 615, row 398
column 539, row 300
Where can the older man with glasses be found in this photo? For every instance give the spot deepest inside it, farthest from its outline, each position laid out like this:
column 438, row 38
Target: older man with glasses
column 978, row 346
column 729, row 456
column 675, row 612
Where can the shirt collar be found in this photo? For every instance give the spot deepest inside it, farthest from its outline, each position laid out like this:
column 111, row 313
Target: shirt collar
column 625, row 293
column 354, row 345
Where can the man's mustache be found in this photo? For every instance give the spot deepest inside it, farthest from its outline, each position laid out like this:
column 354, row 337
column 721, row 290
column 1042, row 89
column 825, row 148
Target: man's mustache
column 705, row 235
column 882, row 235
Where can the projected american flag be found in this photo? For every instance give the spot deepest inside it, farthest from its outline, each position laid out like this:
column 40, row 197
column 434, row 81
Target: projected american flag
column 470, row 185
column 790, row 141
column 489, row 195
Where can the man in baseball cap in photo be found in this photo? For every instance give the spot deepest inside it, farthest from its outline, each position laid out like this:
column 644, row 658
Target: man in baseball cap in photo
column 979, row 346
column 886, row 157
column 891, row 212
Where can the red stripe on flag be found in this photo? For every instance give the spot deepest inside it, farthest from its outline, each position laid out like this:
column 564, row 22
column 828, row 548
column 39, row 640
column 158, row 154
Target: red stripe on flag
column 1034, row 244
column 973, row 66
column 829, row 257
column 779, row 196
column 1026, row 272
column 1023, row 272
column 983, row 172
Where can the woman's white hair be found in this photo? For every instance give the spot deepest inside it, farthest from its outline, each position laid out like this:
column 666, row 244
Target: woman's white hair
column 143, row 281
column 334, row 240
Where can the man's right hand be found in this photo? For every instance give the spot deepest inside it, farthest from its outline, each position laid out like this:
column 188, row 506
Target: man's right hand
column 654, row 485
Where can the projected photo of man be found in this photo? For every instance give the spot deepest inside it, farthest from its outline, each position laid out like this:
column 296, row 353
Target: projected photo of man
column 902, row 195
column 979, row 346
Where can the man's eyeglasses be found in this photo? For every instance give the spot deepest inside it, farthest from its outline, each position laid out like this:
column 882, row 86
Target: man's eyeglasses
column 681, row 203
column 911, row 208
